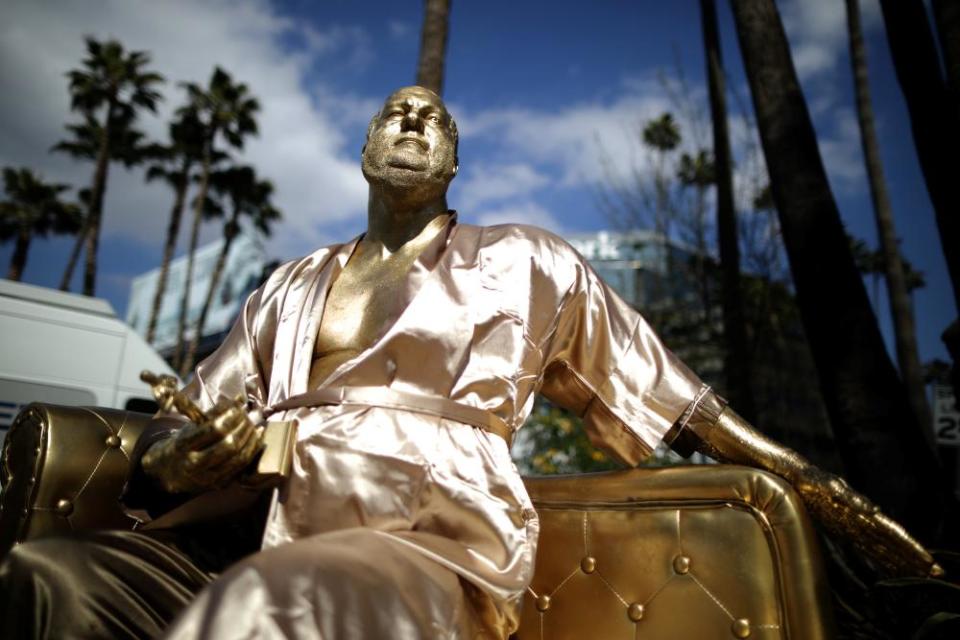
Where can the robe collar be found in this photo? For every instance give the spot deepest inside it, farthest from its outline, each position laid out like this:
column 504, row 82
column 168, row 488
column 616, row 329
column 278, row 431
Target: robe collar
column 314, row 301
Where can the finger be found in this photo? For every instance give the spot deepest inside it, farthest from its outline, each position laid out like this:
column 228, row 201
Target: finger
column 233, row 446
column 195, row 437
column 236, row 425
column 233, row 466
column 243, row 458
column 245, row 443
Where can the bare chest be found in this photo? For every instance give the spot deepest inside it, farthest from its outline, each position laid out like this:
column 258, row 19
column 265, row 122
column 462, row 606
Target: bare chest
column 363, row 300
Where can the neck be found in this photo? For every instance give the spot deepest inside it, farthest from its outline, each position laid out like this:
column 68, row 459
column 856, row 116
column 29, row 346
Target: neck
column 395, row 218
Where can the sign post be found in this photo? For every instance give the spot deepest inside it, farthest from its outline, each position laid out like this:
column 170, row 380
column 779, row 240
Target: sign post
column 946, row 417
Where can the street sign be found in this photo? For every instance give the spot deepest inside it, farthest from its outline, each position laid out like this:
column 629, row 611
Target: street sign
column 946, row 417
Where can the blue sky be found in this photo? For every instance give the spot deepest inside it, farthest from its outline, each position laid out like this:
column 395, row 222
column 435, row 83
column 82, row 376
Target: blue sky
column 543, row 93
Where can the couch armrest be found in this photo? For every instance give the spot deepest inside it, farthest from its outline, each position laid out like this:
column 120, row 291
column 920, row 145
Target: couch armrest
column 63, row 470
column 711, row 551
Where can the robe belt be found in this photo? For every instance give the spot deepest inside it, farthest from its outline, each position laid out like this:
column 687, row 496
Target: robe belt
column 392, row 399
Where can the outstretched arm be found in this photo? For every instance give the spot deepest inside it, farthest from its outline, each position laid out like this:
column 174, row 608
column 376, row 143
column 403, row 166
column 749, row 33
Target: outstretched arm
column 843, row 511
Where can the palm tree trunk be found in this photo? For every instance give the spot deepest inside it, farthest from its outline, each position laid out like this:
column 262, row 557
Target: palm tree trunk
column 178, row 359
column 97, row 190
column 933, row 118
column 433, row 44
column 173, row 230
column 701, row 261
column 899, row 298
column 737, row 357
column 876, row 430
column 228, row 236
column 946, row 17
column 75, row 253
column 19, row 258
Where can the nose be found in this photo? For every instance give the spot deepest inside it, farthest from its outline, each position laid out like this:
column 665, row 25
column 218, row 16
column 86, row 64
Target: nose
column 411, row 122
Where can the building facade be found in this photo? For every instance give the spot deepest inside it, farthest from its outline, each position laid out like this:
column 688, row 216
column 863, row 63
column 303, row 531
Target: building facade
column 242, row 274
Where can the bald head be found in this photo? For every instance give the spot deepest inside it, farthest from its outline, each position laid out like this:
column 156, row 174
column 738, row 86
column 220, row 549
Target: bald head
column 423, row 95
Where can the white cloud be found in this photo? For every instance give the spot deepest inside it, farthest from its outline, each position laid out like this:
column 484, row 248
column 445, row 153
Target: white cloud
column 842, row 152
column 301, row 147
column 485, row 183
column 817, row 30
column 399, row 30
column 573, row 139
column 524, row 212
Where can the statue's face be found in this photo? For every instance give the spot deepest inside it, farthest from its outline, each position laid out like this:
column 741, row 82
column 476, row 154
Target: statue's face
column 411, row 142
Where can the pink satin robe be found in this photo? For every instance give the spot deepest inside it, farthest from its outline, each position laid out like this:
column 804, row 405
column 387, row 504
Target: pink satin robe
column 435, row 511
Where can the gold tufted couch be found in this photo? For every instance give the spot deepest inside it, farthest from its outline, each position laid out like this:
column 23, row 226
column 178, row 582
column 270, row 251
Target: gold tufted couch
column 674, row 553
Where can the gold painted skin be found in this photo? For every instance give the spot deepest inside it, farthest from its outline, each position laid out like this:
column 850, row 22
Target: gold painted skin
column 209, row 451
column 843, row 511
column 526, row 278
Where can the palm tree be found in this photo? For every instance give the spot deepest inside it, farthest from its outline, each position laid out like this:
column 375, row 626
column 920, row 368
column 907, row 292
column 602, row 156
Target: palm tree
column 737, row 358
column 125, row 145
column 108, row 91
column 699, row 173
column 247, row 196
column 901, row 310
column 867, row 403
column 33, row 208
column 934, row 119
column 174, row 166
column 225, row 110
column 433, row 44
column 662, row 135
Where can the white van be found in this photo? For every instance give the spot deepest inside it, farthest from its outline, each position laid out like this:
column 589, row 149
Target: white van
column 65, row 348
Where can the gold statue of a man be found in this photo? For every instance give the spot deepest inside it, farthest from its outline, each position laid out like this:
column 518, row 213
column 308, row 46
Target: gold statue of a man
column 409, row 357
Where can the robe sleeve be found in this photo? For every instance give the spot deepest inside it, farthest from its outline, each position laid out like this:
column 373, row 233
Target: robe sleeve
column 603, row 362
column 234, row 368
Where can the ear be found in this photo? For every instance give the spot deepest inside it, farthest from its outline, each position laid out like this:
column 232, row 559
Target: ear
column 456, row 165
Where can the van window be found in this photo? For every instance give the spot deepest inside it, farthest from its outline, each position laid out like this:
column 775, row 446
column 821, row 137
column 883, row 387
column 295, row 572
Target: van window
column 141, row 405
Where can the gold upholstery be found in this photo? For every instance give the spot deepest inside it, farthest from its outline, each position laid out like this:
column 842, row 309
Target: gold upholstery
column 62, row 470
column 685, row 552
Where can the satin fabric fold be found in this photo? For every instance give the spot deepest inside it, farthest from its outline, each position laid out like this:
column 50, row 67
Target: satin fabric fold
column 490, row 316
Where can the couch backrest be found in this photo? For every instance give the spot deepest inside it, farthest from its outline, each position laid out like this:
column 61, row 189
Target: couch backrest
column 710, row 551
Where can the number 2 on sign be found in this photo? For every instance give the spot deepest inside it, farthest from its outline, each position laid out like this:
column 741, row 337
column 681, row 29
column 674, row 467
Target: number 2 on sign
column 948, row 429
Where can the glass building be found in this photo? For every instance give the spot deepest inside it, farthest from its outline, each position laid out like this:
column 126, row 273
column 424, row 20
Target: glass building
column 242, row 274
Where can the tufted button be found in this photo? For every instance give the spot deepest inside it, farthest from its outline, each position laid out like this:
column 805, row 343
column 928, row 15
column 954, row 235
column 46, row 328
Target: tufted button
column 113, row 441
column 681, row 565
column 588, row 564
column 635, row 612
column 64, row 507
column 741, row 628
column 543, row 602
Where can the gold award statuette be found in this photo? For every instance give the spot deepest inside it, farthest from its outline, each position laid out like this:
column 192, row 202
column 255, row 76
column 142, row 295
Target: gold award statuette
column 271, row 466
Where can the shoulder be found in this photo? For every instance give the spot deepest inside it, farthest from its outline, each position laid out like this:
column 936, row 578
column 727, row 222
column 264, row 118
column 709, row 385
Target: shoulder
column 289, row 274
column 526, row 246
column 526, row 240
column 293, row 270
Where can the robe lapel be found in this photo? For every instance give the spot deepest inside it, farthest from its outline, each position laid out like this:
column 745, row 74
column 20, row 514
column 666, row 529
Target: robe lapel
column 299, row 322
